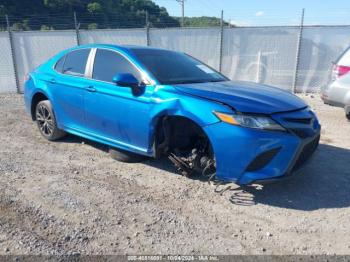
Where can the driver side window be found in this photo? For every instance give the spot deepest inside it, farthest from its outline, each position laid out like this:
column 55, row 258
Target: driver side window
column 108, row 63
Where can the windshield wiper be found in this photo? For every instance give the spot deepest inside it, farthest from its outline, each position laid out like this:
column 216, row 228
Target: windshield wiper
column 196, row 81
column 216, row 80
column 186, row 82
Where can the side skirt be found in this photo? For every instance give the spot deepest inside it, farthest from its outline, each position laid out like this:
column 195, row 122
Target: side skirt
column 109, row 142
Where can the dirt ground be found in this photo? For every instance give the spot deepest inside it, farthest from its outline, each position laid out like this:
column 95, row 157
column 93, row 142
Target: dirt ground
column 70, row 197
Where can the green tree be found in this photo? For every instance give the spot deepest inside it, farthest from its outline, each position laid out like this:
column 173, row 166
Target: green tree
column 92, row 26
column 94, row 8
column 203, row 21
column 58, row 14
column 45, row 28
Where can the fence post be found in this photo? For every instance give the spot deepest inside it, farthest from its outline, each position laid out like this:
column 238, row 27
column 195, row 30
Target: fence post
column 147, row 29
column 12, row 50
column 76, row 25
column 297, row 60
column 258, row 71
column 221, row 39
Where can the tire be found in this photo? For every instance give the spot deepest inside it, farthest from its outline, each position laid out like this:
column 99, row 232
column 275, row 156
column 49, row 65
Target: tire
column 46, row 121
column 124, row 156
column 348, row 116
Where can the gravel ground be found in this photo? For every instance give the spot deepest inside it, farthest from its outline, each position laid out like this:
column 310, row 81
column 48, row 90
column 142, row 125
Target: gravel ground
column 70, row 197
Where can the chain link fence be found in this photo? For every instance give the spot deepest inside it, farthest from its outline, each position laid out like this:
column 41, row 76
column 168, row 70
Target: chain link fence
column 7, row 74
column 262, row 55
column 114, row 36
column 32, row 48
column 270, row 55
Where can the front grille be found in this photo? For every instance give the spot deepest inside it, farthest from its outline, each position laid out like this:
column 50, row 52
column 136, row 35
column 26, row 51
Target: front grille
column 302, row 123
column 306, row 153
column 306, row 121
column 302, row 133
column 301, row 127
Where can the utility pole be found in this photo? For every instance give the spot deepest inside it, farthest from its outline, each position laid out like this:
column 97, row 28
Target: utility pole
column 147, row 29
column 76, row 25
column 297, row 60
column 221, row 39
column 9, row 30
column 182, row 3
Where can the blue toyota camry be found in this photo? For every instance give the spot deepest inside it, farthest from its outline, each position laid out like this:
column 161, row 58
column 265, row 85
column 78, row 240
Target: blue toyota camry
column 148, row 102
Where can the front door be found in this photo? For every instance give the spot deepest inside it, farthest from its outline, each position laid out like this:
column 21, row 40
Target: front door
column 113, row 112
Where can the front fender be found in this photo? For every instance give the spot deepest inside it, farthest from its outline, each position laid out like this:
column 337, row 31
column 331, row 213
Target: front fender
column 168, row 102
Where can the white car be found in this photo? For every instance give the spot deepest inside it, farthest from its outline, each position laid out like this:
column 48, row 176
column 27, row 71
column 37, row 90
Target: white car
column 337, row 93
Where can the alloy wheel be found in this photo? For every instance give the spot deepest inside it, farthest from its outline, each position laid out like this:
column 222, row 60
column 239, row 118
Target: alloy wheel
column 45, row 121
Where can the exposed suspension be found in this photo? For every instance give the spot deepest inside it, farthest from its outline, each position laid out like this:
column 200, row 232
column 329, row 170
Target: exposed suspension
column 188, row 148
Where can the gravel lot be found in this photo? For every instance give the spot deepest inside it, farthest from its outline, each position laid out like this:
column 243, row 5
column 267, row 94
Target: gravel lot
column 71, row 197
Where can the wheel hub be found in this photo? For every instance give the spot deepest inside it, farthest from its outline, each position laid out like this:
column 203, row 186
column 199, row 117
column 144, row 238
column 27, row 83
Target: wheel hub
column 45, row 121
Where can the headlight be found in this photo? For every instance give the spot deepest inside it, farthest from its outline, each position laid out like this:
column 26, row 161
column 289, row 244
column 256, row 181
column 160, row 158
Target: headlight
column 251, row 121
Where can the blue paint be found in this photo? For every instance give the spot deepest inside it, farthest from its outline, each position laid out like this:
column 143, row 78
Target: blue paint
column 115, row 116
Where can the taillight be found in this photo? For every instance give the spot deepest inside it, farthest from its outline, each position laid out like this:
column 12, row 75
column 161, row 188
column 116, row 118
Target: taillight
column 26, row 77
column 341, row 70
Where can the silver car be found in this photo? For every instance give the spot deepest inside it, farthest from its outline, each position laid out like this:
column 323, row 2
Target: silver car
column 337, row 93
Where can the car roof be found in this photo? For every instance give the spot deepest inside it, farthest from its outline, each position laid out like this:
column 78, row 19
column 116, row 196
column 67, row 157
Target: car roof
column 119, row 47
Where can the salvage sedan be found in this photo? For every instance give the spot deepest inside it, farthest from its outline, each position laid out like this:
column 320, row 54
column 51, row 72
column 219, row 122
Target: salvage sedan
column 148, row 102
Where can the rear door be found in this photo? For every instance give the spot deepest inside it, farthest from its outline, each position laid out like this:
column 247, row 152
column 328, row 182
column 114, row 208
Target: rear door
column 68, row 88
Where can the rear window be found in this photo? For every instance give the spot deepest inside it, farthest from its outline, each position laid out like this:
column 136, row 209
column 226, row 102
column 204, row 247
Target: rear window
column 344, row 59
column 75, row 62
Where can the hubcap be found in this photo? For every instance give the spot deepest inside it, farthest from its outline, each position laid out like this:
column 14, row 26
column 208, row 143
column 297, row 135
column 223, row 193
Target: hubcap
column 45, row 121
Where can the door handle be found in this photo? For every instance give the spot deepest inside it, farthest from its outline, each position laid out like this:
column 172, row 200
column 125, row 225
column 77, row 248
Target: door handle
column 90, row 89
column 52, row 81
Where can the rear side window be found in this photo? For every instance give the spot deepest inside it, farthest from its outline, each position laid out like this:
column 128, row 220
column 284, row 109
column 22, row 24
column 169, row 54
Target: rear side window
column 109, row 63
column 75, row 62
column 59, row 64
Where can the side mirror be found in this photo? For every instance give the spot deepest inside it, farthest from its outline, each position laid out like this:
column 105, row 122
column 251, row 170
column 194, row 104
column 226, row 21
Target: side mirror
column 126, row 80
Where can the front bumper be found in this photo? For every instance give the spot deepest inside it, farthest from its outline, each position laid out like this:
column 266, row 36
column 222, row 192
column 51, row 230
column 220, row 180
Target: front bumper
column 303, row 155
column 282, row 154
column 347, row 110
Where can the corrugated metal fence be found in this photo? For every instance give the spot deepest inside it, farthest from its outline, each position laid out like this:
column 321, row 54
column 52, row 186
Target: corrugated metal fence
column 260, row 54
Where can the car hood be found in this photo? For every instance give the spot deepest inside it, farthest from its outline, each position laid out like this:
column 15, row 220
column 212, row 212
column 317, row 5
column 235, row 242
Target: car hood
column 245, row 97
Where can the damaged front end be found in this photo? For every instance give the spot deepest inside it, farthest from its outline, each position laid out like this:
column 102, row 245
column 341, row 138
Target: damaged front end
column 186, row 145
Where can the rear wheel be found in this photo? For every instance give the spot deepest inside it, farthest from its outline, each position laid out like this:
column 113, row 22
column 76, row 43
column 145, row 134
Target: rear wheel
column 46, row 121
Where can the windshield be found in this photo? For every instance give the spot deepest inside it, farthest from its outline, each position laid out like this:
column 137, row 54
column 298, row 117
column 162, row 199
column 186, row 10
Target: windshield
column 171, row 67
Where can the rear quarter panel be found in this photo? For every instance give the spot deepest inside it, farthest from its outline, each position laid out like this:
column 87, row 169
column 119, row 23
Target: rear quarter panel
column 339, row 91
column 39, row 82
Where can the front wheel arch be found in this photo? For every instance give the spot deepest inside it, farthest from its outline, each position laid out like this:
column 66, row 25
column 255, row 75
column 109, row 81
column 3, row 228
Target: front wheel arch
column 181, row 136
